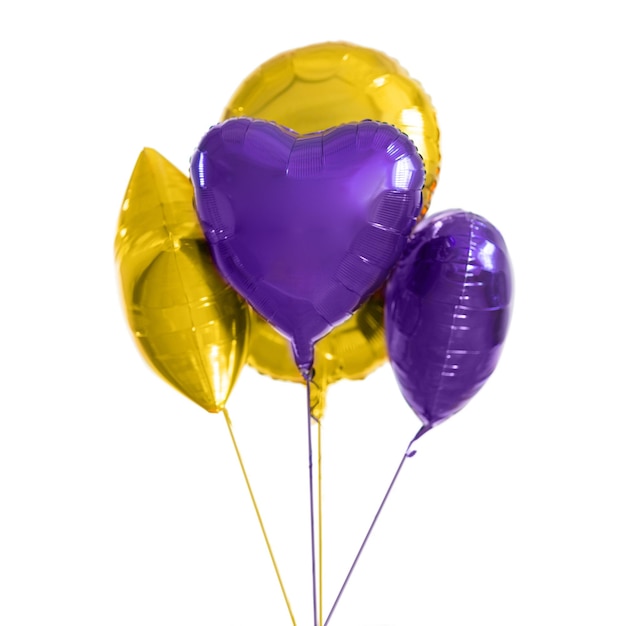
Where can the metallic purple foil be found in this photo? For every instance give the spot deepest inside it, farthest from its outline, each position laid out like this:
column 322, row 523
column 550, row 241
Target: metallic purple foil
column 447, row 311
column 306, row 227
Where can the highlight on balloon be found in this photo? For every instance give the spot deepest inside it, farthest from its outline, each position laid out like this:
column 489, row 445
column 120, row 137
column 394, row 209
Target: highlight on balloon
column 298, row 243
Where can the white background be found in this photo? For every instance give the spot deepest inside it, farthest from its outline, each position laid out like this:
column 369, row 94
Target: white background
column 121, row 501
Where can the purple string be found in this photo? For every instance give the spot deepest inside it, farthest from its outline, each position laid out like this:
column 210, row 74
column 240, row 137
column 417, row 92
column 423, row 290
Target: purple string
column 308, row 377
column 407, row 454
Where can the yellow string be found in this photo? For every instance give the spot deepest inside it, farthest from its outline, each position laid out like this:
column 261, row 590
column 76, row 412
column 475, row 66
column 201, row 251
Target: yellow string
column 258, row 514
column 319, row 509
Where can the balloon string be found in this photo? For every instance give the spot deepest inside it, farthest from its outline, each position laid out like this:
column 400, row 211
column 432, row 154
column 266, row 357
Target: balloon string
column 319, row 511
column 258, row 514
column 407, row 454
column 309, row 417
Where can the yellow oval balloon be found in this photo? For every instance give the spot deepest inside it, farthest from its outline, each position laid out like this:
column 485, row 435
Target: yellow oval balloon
column 311, row 89
column 191, row 327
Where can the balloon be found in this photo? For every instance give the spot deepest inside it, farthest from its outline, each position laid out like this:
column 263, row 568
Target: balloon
column 191, row 327
column 314, row 88
column 447, row 311
column 306, row 227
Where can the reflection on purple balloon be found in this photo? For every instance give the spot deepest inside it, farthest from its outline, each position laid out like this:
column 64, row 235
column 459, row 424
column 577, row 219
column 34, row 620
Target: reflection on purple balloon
column 447, row 312
column 306, row 227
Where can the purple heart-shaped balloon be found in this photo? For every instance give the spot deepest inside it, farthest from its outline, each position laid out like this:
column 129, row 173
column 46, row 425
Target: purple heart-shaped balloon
column 306, row 227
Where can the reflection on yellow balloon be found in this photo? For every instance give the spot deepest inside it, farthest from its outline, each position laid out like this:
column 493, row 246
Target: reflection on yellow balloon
column 311, row 89
column 191, row 327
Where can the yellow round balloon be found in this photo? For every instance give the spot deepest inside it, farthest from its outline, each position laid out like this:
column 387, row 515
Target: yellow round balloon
column 311, row 89
column 191, row 327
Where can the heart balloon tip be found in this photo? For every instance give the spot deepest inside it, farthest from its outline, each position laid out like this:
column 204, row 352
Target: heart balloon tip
column 307, row 373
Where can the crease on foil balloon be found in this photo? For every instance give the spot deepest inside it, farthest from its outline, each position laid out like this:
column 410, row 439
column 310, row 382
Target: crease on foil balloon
column 313, row 88
column 306, row 227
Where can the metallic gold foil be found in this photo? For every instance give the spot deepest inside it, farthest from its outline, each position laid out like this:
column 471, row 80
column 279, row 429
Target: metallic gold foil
column 191, row 327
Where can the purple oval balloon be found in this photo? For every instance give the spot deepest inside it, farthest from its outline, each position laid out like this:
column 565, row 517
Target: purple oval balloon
column 447, row 312
column 306, row 227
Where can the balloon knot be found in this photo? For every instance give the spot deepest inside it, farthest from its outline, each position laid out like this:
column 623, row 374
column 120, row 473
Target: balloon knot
column 307, row 373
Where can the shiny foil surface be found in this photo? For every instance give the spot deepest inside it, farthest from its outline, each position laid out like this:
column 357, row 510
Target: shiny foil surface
column 191, row 327
column 306, row 227
column 447, row 311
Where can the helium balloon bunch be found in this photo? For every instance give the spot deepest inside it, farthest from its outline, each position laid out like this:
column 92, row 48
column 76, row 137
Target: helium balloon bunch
column 299, row 245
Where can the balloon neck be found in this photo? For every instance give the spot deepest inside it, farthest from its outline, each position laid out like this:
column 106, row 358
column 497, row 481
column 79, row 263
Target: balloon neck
column 303, row 356
column 307, row 373
column 422, row 431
